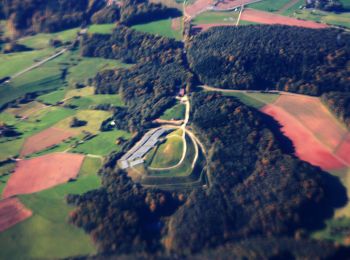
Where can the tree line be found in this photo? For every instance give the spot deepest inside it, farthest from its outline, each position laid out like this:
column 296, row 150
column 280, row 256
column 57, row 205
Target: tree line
column 339, row 103
column 260, row 57
column 33, row 16
column 259, row 195
column 149, row 87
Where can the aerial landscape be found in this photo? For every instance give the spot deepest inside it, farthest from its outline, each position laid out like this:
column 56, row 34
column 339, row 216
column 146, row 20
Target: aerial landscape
column 174, row 129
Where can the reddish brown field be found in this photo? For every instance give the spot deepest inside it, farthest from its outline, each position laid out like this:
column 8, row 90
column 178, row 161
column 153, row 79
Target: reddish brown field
column 44, row 139
column 256, row 16
column 12, row 211
column 43, row 172
column 317, row 136
column 198, row 7
column 307, row 147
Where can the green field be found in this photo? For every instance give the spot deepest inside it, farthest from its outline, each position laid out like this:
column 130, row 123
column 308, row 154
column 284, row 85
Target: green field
column 86, row 68
column 184, row 169
column 52, row 98
column 12, row 63
column 101, row 28
column 291, row 10
column 47, row 232
column 103, row 144
column 41, row 40
column 216, row 17
column 341, row 19
column 94, row 118
column 269, row 5
column 176, row 112
column 161, row 28
column 88, row 101
column 170, row 152
column 256, row 100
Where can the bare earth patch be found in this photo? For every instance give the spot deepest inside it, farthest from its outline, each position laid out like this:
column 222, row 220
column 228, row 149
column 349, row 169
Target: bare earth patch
column 176, row 24
column 198, row 7
column 317, row 136
column 257, row 16
column 45, row 139
column 43, row 172
column 12, row 211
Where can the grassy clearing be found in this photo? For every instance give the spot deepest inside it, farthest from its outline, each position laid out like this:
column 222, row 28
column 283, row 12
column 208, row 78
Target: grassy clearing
column 176, row 112
column 47, row 232
column 52, row 98
column 103, row 144
column 94, row 119
column 291, row 10
column 80, row 92
column 346, row 4
column 341, row 19
column 161, row 27
column 184, row 169
column 169, row 153
column 14, row 62
column 86, row 68
column 41, row 40
column 264, row 97
column 88, row 101
column 269, row 5
column 216, row 17
column 249, row 101
column 101, row 28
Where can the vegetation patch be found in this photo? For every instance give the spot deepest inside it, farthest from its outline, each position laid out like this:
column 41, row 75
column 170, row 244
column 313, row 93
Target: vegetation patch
column 48, row 229
column 269, row 5
column 176, row 112
column 103, row 144
column 161, row 28
column 101, row 28
column 93, row 118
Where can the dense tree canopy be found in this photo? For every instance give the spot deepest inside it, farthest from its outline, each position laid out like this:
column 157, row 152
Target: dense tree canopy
column 293, row 59
column 149, row 87
column 326, row 5
column 255, row 189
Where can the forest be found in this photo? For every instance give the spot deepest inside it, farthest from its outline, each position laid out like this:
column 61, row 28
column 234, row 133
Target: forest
column 300, row 60
column 326, row 5
column 339, row 104
column 257, row 189
column 34, row 16
column 148, row 87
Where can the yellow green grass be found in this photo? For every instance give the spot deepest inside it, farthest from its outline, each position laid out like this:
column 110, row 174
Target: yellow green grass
column 161, row 28
column 47, row 232
column 52, row 98
column 41, row 40
column 101, row 28
column 94, row 118
column 103, row 144
column 14, row 62
column 169, row 153
column 184, row 169
column 176, row 112
column 89, row 101
column 339, row 19
column 80, row 92
column 269, row 5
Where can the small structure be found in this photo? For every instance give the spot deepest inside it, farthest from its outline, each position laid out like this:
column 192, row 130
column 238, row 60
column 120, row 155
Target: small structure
column 182, row 92
column 135, row 155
